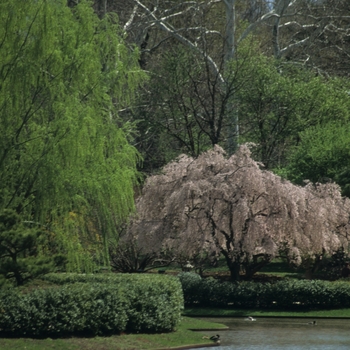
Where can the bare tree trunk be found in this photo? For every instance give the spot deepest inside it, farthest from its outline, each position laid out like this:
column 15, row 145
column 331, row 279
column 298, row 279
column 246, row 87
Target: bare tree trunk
column 235, row 269
column 101, row 8
column 312, row 266
column 280, row 8
column 233, row 266
column 231, row 110
column 252, row 267
column 230, row 30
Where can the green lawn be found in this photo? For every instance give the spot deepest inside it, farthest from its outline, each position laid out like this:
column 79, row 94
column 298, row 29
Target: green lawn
column 182, row 337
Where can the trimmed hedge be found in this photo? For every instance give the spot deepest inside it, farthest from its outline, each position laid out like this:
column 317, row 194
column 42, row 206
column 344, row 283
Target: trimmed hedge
column 285, row 294
column 102, row 305
column 69, row 278
column 153, row 297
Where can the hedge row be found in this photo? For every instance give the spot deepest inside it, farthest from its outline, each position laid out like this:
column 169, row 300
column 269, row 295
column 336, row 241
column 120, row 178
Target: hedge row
column 285, row 294
column 135, row 304
column 69, row 278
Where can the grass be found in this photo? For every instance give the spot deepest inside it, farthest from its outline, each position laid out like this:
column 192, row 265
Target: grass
column 213, row 312
column 182, row 337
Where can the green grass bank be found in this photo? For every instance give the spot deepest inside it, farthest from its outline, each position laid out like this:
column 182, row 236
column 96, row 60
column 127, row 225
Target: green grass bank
column 183, row 337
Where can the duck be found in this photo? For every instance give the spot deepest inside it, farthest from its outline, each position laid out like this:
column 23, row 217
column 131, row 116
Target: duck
column 214, row 338
column 313, row 323
column 250, row 318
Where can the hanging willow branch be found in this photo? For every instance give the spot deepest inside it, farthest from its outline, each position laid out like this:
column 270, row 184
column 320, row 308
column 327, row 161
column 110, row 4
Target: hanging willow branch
column 63, row 159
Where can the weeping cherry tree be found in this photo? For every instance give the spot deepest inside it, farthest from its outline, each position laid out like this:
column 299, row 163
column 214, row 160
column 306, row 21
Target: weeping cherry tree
column 232, row 207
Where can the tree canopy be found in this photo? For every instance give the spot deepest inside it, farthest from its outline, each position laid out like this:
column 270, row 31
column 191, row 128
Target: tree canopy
column 278, row 102
column 321, row 156
column 232, row 207
column 65, row 159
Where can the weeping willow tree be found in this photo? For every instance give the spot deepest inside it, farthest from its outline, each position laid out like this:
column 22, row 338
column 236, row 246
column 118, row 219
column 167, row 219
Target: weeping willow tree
column 65, row 160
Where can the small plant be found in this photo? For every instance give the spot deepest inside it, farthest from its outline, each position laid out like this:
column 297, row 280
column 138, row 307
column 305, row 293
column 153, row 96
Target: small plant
column 128, row 256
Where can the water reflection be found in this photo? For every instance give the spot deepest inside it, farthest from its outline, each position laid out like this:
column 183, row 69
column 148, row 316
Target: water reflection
column 284, row 333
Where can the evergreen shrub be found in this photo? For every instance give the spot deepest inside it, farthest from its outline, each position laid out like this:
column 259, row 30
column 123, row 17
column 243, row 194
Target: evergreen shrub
column 93, row 305
column 286, row 294
column 69, row 278
column 190, row 282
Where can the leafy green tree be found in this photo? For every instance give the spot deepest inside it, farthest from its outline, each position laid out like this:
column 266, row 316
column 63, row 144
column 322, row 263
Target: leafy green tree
column 21, row 256
column 182, row 109
column 323, row 155
column 65, row 159
column 278, row 101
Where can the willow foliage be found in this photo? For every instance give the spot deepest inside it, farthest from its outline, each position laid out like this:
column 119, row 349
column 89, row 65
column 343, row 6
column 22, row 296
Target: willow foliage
column 65, row 160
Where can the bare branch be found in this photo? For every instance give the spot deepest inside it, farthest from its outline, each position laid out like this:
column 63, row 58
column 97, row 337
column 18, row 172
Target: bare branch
column 131, row 19
column 162, row 25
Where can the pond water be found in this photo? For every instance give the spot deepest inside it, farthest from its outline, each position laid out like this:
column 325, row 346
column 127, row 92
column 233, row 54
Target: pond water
column 283, row 333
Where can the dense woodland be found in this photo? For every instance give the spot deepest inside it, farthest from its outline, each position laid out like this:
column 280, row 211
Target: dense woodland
column 99, row 99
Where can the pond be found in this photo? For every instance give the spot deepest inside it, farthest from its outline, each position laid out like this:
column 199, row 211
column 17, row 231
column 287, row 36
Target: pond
column 283, row 333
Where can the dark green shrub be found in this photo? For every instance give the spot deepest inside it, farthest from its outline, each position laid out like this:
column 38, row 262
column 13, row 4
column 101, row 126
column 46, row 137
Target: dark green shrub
column 20, row 256
column 155, row 306
column 215, row 293
column 246, row 294
column 286, row 294
column 78, row 308
column 191, row 285
column 153, row 297
column 101, row 304
column 69, row 278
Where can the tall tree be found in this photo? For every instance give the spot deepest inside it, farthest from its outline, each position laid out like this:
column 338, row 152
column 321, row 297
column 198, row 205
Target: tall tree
column 64, row 159
column 216, row 46
column 296, row 32
column 313, row 34
column 184, row 105
column 230, row 206
column 278, row 101
column 322, row 155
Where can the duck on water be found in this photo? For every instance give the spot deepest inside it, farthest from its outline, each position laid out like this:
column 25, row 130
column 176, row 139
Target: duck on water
column 250, row 318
